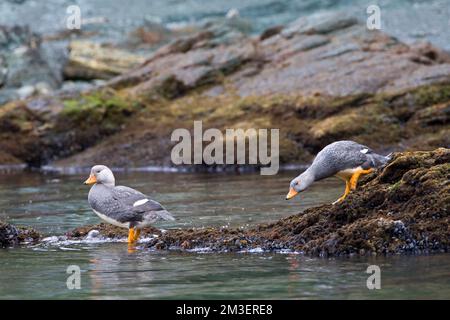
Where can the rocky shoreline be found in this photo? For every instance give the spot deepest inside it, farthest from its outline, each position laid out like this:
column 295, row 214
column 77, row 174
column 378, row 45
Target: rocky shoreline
column 317, row 80
column 402, row 208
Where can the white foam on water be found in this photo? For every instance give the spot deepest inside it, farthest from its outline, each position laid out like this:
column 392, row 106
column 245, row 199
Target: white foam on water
column 64, row 243
column 253, row 250
column 200, row 250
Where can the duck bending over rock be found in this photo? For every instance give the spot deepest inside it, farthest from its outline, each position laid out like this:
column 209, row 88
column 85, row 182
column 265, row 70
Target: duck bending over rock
column 122, row 206
column 347, row 160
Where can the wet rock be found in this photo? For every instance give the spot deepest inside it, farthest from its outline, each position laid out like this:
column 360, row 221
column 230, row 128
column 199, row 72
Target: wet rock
column 11, row 235
column 402, row 208
column 319, row 23
column 107, row 231
column 47, row 127
column 187, row 43
column 23, row 64
column 309, row 43
column 89, row 60
column 8, row 159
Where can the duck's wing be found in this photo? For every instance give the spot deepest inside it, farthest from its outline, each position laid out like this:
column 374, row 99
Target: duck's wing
column 372, row 159
column 344, row 155
column 134, row 206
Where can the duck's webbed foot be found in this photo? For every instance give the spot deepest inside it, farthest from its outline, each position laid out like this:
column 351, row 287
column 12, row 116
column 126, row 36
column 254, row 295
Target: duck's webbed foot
column 356, row 175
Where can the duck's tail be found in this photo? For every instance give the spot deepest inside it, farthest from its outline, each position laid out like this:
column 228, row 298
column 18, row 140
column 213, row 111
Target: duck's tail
column 165, row 215
column 379, row 160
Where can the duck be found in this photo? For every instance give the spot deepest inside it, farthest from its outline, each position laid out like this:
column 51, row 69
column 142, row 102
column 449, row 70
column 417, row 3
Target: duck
column 345, row 159
column 122, row 206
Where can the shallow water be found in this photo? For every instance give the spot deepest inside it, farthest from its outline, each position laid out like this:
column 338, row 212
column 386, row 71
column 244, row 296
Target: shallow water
column 56, row 203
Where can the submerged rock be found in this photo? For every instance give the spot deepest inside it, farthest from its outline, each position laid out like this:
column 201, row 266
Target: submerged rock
column 402, row 208
column 11, row 235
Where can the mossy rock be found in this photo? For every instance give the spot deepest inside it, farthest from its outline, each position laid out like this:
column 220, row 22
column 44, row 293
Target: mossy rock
column 101, row 109
column 12, row 236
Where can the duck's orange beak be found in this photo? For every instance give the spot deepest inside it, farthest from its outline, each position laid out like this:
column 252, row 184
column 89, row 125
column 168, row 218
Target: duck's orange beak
column 292, row 193
column 91, row 180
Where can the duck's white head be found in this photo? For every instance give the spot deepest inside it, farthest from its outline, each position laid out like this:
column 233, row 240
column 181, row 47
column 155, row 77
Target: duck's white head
column 101, row 174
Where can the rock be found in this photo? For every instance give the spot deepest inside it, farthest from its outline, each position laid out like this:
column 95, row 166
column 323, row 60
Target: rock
column 270, row 32
column 35, row 131
column 25, row 92
column 319, row 23
column 317, row 86
column 107, row 231
column 8, row 159
column 309, row 43
column 11, row 235
column 24, row 63
column 333, row 24
column 402, row 208
column 89, row 60
column 3, row 70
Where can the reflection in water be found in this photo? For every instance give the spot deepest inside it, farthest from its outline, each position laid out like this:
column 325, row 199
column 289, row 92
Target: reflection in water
column 118, row 267
column 294, row 277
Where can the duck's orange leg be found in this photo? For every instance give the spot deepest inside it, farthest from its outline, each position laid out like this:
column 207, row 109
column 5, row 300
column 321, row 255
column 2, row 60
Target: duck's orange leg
column 130, row 235
column 133, row 235
column 356, row 175
column 137, row 233
column 346, row 192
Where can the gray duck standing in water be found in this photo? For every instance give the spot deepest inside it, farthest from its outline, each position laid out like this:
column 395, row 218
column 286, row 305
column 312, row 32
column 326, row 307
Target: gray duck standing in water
column 122, row 206
column 347, row 160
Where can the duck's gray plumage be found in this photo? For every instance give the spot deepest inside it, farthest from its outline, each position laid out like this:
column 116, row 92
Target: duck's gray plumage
column 342, row 155
column 125, row 206
column 336, row 158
